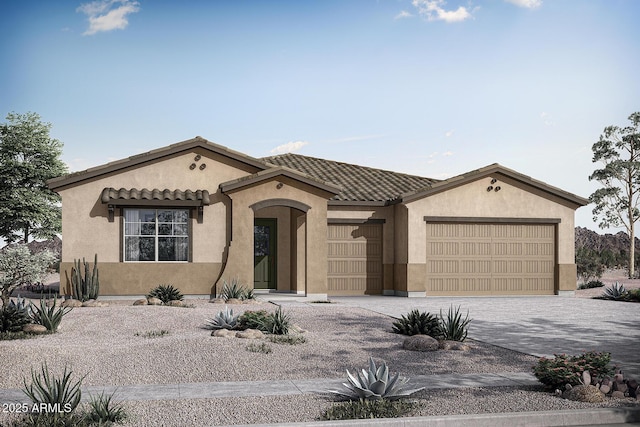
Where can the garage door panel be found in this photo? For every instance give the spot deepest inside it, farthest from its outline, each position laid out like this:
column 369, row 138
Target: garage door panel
column 485, row 259
column 354, row 259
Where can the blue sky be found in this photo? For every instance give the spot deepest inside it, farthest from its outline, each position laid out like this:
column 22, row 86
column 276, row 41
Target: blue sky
column 427, row 87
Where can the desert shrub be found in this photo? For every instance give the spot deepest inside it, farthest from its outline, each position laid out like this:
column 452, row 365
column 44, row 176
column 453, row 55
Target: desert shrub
column 253, row 320
column 152, row 334
column 287, row 339
column 416, row 323
column 452, row 326
column 591, row 284
column 367, row 409
column 166, row 293
column 14, row 316
column 103, row 411
column 259, row 348
column 563, row 369
column 49, row 317
column 633, row 295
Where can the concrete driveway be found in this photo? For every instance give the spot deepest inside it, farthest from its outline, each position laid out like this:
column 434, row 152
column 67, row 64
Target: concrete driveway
column 540, row 326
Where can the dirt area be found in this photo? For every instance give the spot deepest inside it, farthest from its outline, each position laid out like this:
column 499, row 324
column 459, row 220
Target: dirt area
column 609, row 278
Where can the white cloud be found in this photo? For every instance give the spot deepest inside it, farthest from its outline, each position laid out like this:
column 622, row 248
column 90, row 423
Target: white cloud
column 289, row 147
column 108, row 15
column 403, row 14
column 529, row 4
column 546, row 119
column 449, row 134
column 434, row 10
column 447, row 153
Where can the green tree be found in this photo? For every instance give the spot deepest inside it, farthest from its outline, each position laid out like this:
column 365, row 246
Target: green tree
column 18, row 266
column 589, row 264
column 28, row 158
column 616, row 203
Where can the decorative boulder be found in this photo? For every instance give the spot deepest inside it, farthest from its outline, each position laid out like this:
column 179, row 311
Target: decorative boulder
column 584, row 393
column 94, row 303
column 142, row 301
column 175, row 303
column 420, row 343
column 251, row 334
column 453, row 345
column 224, row 333
column 32, row 328
column 154, row 301
column 234, row 301
column 618, row 395
column 216, row 301
column 73, row 303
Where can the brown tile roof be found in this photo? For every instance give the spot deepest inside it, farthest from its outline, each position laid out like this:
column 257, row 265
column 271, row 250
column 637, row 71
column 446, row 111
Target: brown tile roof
column 110, row 194
column 358, row 183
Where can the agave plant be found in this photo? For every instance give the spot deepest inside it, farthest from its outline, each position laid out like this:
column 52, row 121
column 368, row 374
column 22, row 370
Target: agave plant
column 223, row 320
column 616, row 291
column 166, row 293
column 375, row 384
column 416, row 323
column 14, row 316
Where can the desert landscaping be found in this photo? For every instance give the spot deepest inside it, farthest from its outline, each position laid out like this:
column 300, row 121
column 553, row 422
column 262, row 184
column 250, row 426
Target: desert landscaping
column 122, row 344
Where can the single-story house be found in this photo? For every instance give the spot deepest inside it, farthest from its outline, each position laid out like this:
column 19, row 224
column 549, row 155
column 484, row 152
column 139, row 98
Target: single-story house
column 195, row 214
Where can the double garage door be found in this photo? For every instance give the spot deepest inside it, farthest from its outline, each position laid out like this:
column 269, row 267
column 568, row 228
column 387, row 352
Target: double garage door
column 490, row 259
column 355, row 259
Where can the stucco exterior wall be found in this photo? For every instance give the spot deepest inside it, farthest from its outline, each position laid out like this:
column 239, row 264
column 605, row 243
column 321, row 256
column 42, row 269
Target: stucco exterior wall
column 384, row 213
column 514, row 200
column 87, row 230
column 241, row 256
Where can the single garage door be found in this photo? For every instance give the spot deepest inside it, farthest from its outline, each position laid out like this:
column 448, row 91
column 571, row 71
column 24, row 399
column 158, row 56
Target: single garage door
column 355, row 259
column 490, row 259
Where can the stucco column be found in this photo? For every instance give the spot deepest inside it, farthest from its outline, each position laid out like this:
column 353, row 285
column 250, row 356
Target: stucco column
column 316, row 240
column 240, row 260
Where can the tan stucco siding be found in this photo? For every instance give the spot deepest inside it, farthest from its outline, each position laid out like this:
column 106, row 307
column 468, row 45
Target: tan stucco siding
column 241, row 255
column 473, row 200
column 87, row 230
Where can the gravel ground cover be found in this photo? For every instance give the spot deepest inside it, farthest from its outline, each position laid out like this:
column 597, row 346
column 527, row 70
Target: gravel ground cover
column 108, row 345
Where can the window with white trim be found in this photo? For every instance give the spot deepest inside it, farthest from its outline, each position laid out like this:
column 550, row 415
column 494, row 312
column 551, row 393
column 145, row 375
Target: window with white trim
column 156, row 234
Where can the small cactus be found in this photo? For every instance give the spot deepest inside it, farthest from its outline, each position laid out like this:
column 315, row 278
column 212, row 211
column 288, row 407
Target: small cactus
column 84, row 286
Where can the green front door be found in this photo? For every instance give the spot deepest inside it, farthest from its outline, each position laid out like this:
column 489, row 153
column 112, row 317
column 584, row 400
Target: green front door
column 264, row 254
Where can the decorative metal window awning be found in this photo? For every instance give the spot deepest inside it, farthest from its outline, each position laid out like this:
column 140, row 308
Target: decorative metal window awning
column 154, row 197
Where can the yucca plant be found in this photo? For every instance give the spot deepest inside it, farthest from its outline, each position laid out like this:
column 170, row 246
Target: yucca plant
column 49, row 317
column 235, row 290
column 417, row 323
column 375, row 384
column 223, row 320
column 103, row 411
column 61, row 394
column 166, row 293
column 278, row 323
column 453, row 327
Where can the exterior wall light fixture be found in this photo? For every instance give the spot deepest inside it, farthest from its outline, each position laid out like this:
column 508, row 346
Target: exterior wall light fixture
column 498, row 188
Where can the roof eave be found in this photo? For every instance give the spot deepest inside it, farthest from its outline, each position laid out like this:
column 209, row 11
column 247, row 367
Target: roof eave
column 488, row 170
column 271, row 173
column 189, row 144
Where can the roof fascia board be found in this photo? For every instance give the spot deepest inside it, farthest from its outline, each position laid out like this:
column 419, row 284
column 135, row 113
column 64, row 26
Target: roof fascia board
column 138, row 159
column 489, row 170
column 490, row 220
column 268, row 174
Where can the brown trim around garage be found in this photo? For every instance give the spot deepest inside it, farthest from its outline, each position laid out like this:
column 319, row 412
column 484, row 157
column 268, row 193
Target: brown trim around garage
column 492, row 220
